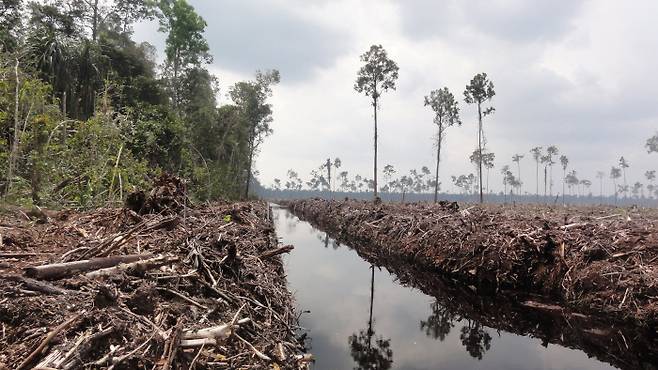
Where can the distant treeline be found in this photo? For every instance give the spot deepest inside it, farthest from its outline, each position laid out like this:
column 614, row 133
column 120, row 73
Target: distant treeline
column 87, row 114
column 499, row 198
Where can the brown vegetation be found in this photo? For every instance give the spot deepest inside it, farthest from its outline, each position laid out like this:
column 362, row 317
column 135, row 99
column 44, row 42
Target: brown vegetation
column 111, row 288
column 596, row 260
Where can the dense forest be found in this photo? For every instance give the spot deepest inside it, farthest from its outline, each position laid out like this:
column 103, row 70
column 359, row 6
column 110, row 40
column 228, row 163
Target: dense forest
column 87, row 114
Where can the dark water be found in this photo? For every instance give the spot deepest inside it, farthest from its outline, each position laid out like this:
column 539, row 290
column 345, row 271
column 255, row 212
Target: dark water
column 361, row 319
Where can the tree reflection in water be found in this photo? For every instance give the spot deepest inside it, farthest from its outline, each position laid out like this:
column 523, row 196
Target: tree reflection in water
column 441, row 321
column 366, row 354
column 476, row 340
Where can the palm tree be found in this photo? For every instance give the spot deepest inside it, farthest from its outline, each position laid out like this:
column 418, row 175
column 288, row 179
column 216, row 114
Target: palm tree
column 537, row 155
column 565, row 162
column 551, row 151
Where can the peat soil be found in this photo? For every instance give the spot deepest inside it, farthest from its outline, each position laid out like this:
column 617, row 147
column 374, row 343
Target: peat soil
column 583, row 278
column 201, row 287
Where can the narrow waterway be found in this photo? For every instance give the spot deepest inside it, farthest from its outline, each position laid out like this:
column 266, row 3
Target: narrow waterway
column 360, row 317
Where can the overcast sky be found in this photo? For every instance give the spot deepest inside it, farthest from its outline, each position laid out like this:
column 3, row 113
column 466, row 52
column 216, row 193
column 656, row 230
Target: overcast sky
column 576, row 74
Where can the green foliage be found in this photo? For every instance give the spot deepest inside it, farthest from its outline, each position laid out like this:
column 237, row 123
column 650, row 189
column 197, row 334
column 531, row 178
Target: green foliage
column 94, row 119
column 378, row 74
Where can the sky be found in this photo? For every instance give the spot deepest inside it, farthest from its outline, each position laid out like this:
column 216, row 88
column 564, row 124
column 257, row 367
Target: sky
column 571, row 73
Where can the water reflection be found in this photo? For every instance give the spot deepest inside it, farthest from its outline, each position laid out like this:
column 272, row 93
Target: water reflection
column 473, row 337
column 427, row 322
column 476, row 340
column 439, row 323
column 365, row 354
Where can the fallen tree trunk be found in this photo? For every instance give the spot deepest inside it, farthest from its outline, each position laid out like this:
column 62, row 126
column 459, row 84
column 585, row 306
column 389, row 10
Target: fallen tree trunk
column 277, row 251
column 36, row 285
column 134, row 267
column 61, row 270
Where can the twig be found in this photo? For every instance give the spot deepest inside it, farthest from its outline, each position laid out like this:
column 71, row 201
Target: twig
column 49, row 337
column 183, row 297
column 258, row 353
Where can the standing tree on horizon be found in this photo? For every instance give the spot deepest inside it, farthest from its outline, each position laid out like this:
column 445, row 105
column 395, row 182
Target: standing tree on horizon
column 600, row 175
column 623, row 164
column 477, row 92
column 517, row 158
column 564, row 161
column 550, row 152
column 446, row 114
column 615, row 173
column 537, row 156
column 378, row 75
column 651, row 177
column 488, row 163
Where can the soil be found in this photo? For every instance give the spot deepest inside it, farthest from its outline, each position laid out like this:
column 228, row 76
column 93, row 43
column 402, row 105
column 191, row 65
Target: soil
column 601, row 261
column 196, row 268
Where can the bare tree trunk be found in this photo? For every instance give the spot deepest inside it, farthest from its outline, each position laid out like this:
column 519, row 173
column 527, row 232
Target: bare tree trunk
column 537, row 179
column 375, row 165
column 564, row 178
column 251, row 159
column 545, row 180
column 438, row 160
column 518, row 164
column 16, row 140
column 480, row 150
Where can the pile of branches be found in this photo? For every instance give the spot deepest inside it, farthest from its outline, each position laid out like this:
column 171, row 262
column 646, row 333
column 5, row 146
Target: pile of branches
column 602, row 260
column 115, row 289
column 168, row 195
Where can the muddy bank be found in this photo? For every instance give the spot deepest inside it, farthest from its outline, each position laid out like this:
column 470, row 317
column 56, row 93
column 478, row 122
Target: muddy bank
column 187, row 288
column 599, row 261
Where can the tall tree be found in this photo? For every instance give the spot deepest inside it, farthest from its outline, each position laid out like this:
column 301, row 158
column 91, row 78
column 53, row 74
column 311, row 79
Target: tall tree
column 251, row 97
column 551, row 151
column 517, row 158
column 389, row 171
column 478, row 92
column 446, row 114
column 600, row 175
column 651, row 177
column 615, row 173
column 623, row 164
column 537, row 156
column 376, row 76
column 564, row 161
column 185, row 46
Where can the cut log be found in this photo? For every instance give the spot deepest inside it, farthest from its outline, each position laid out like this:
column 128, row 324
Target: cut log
column 134, row 267
column 277, row 251
column 36, row 285
column 61, row 270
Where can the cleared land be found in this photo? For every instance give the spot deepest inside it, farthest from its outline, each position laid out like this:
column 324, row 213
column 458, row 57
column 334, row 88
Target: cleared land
column 600, row 260
column 114, row 288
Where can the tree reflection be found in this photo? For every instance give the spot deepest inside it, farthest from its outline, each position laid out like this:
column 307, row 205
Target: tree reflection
column 366, row 354
column 476, row 340
column 439, row 323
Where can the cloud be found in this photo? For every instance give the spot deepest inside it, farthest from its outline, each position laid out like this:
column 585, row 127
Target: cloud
column 506, row 20
column 247, row 35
